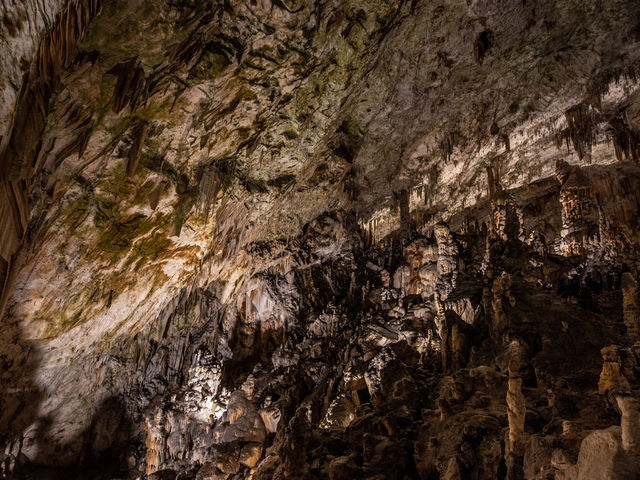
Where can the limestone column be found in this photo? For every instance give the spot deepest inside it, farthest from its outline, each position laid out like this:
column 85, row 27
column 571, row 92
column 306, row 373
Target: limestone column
column 154, row 442
column 443, row 331
column 516, row 411
column 447, row 264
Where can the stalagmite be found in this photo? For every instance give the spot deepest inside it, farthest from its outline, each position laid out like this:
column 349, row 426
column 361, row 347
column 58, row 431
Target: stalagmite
column 516, row 411
column 154, row 443
column 447, row 264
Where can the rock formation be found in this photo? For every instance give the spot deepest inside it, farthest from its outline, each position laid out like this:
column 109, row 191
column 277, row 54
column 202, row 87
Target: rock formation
column 277, row 239
column 630, row 309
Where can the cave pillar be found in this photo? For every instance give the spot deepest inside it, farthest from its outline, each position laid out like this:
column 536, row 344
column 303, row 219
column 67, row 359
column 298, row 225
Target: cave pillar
column 154, row 442
column 516, row 411
column 447, row 263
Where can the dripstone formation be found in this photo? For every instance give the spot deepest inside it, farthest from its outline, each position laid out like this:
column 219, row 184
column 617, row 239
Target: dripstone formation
column 260, row 239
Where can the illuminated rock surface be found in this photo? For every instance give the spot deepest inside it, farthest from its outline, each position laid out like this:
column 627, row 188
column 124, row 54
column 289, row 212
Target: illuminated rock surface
column 283, row 239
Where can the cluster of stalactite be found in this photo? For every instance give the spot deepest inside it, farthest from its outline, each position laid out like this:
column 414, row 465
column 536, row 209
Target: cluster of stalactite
column 19, row 151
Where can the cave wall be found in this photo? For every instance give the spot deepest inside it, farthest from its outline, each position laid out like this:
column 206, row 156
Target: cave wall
column 186, row 185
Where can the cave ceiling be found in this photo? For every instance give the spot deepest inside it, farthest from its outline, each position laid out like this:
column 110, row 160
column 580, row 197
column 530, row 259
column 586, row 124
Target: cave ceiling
column 152, row 148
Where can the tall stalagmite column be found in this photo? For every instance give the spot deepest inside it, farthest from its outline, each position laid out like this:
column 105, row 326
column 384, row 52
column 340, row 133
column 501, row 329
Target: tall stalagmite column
column 516, row 410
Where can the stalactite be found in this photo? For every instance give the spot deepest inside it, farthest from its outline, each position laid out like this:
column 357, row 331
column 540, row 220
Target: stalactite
column 208, row 189
column 581, row 126
column 40, row 83
column 131, row 87
column 492, row 181
column 156, row 194
column 626, row 142
column 500, row 291
column 138, row 136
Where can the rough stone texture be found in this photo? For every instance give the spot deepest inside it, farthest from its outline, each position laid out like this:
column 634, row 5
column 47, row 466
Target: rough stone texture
column 22, row 24
column 285, row 239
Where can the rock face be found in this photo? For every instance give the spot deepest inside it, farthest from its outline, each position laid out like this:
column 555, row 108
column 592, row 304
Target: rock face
column 285, row 240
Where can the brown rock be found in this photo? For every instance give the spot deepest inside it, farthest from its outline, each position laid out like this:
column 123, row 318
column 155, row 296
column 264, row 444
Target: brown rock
column 209, row 471
column 597, row 457
column 271, row 418
column 250, row 454
column 629, row 407
column 611, row 378
column 227, row 458
column 340, row 414
column 164, row 474
column 243, row 422
column 342, row 468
